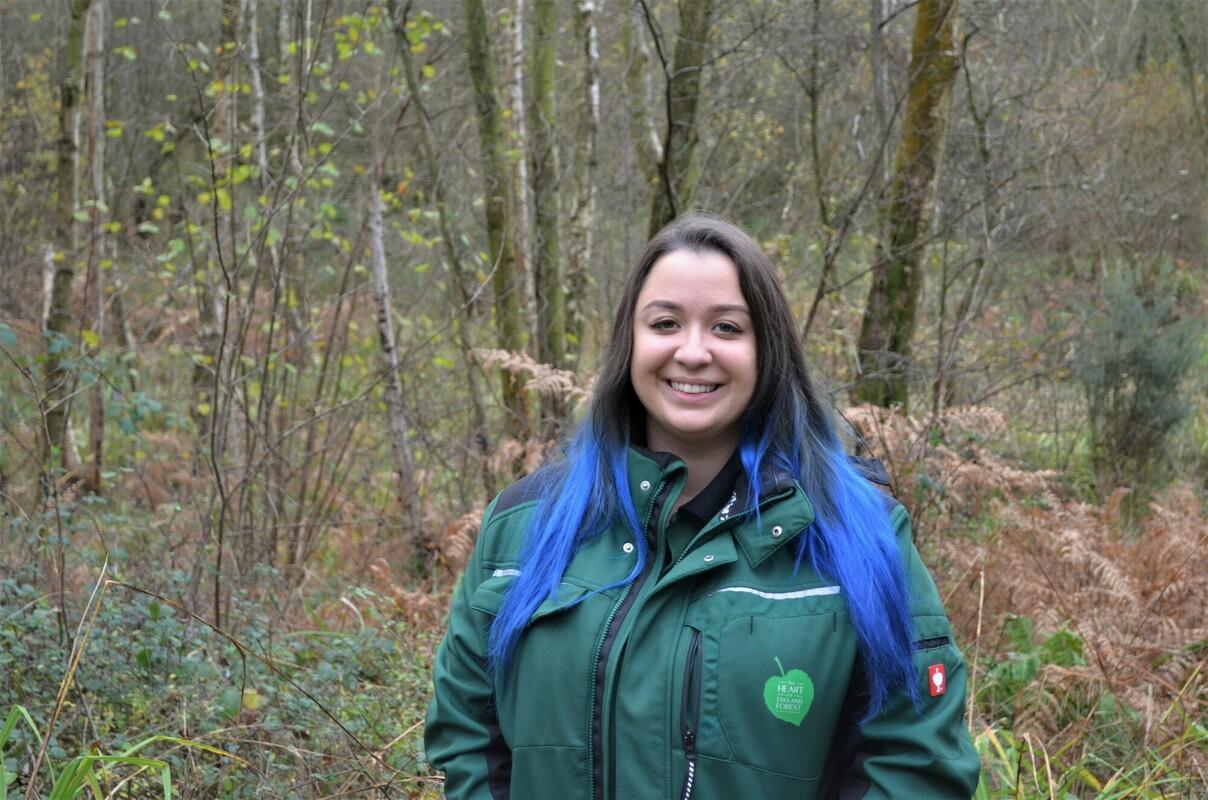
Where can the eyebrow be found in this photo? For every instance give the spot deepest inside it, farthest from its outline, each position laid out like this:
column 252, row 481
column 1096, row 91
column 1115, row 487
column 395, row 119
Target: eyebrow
column 724, row 307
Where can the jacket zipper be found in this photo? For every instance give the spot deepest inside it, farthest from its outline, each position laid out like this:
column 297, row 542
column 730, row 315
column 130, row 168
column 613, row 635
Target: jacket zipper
column 617, row 616
column 690, row 711
column 611, row 626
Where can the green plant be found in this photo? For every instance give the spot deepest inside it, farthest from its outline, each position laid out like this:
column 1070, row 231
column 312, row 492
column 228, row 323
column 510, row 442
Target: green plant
column 1009, row 679
column 152, row 668
column 1135, row 361
column 90, row 771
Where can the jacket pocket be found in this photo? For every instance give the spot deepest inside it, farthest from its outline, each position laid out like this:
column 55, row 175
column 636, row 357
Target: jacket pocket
column 488, row 597
column 780, row 685
column 690, row 711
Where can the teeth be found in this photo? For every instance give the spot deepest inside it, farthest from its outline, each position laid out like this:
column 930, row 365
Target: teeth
column 692, row 388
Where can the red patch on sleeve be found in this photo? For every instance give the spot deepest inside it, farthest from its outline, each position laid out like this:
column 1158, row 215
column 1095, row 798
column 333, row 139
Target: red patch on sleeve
column 937, row 680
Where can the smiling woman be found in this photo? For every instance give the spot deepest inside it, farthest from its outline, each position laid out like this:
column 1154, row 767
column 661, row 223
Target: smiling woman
column 706, row 598
column 693, row 367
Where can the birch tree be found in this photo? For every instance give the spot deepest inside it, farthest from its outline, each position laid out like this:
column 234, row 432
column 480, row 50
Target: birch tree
column 399, row 444
column 60, row 381
column 518, row 129
column 639, row 95
column 582, row 218
column 97, row 213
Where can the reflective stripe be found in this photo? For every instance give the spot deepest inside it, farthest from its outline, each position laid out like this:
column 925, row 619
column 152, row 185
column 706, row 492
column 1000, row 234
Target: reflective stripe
column 821, row 590
column 502, row 573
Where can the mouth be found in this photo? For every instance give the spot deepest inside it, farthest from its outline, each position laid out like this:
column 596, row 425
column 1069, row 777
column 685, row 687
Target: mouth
column 694, row 388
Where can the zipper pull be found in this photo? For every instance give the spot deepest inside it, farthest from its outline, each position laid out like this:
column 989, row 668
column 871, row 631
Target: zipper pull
column 688, row 779
column 690, row 752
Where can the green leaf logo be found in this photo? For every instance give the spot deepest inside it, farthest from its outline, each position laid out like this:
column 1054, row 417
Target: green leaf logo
column 789, row 695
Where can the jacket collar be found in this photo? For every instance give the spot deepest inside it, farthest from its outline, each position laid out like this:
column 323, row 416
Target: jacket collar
column 784, row 513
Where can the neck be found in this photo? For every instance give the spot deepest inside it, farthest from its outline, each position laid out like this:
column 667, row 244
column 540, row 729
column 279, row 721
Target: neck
column 704, row 460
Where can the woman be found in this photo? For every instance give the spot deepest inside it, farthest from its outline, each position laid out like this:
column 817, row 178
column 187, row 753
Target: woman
column 705, row 598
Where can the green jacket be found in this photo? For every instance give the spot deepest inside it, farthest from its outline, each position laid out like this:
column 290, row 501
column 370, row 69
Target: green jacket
column 724, row 674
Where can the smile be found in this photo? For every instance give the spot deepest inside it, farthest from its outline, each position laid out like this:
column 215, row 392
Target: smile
column 693, row 388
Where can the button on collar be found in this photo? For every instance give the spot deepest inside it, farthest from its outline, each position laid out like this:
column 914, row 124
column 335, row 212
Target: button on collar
column 627, row 547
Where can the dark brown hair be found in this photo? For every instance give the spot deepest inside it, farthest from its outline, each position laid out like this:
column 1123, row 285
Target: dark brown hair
column 779, row 356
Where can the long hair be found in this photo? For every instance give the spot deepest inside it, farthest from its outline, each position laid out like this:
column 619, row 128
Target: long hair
column 787, row 425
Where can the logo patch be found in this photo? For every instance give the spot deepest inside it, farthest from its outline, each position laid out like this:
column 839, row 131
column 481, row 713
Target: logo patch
column 937, row 680
column 789, row 695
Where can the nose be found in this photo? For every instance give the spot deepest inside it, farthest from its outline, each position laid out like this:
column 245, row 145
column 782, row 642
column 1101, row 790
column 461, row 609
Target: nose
column 693, row 351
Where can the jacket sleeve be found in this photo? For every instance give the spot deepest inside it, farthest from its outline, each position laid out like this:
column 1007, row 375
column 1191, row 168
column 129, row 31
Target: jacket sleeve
column 462, row 735
column 903, row 751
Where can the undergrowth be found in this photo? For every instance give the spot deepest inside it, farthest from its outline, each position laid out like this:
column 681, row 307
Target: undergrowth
column 1085, row 637
column 1084, row 630
column 301, row 713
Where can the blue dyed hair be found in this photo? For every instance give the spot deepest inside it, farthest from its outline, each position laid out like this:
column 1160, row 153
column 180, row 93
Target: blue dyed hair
column 788, row 425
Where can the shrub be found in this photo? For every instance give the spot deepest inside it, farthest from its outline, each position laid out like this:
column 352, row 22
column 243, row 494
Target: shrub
column 1135, row 362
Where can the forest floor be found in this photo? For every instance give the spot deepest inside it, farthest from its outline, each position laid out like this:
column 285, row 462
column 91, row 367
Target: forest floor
column 1082, row 623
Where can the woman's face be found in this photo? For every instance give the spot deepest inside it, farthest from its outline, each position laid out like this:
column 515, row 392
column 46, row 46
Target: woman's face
column 694, row 360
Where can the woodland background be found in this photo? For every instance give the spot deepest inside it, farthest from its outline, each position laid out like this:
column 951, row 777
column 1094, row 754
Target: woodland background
column 290, row 288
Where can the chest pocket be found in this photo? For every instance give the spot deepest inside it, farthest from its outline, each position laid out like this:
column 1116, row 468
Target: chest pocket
column 774, row 669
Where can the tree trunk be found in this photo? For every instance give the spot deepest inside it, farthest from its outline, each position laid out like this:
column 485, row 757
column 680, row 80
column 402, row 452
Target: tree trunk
column 399, row 444
column 508, row 314
column 252, row 14
column 638, row 96
column 897, row 276
column 59, row 378
column 95, row 275
column 583, row 215
column 548, row 273
column 879, row 65
column 678, row 174
column 521, row 229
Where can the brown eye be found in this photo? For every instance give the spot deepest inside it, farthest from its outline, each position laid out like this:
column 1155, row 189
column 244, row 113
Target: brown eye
column 728, row 328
